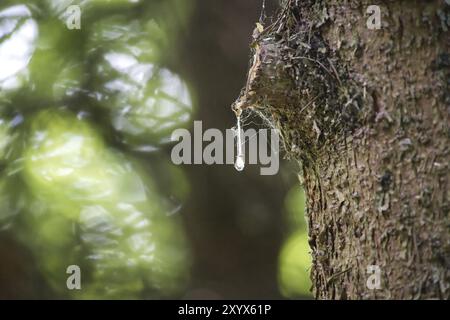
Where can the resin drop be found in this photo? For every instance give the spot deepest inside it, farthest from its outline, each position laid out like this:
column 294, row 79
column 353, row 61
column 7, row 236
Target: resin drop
column 239, row 164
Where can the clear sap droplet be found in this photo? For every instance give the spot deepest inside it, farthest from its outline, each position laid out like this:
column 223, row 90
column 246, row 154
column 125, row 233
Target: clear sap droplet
column 240, row 163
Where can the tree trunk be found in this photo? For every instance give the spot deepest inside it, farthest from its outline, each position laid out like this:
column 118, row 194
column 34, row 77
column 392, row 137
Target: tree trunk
column 366, row 113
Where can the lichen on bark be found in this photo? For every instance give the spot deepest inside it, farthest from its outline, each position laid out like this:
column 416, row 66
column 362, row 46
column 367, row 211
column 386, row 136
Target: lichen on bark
column 366, row 113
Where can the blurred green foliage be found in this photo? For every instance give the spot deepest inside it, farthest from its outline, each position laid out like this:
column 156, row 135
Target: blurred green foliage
column 84, row 118
column 74, row 105
column 56, row 67
column 295, row 259
column 5, row 138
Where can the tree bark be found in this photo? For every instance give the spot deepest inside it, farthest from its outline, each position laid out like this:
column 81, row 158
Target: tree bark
column 366, row 113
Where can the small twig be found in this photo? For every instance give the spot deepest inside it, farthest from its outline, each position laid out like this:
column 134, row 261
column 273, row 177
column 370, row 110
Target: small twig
column 335, row 72
column 316, row 61
column 334, row 276
column 309, row 103
column 263, row 16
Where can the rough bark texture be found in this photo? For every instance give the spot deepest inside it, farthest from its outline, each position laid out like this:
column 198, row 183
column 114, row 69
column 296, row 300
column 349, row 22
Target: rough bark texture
column 366, row 112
